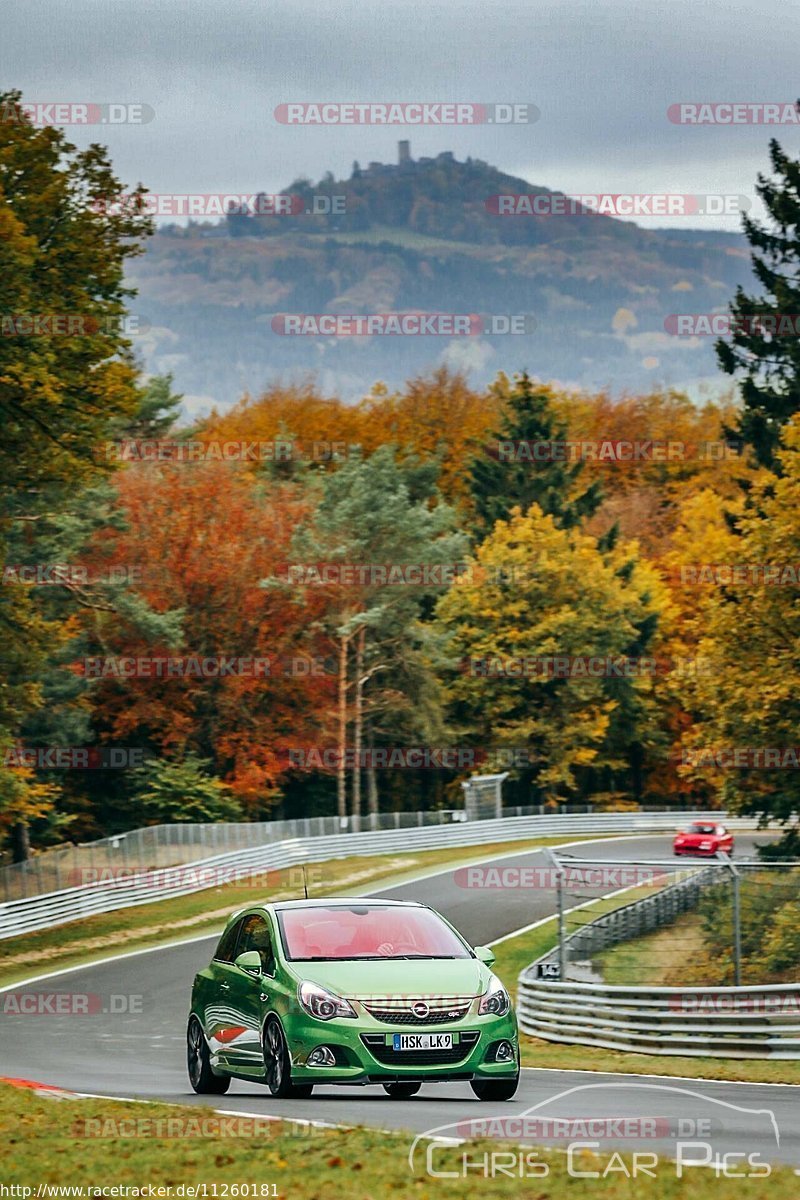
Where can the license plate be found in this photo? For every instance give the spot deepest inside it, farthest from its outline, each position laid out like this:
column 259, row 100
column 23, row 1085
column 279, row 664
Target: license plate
column 421, row 1041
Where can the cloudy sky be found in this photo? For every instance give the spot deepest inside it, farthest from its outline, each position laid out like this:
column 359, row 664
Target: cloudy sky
column 602, row 72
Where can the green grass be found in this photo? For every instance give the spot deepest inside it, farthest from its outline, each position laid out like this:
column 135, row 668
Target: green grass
column 145, row 925
column 45, row 1142
column 685, row 953
column 557, row 1057
column 663, row 958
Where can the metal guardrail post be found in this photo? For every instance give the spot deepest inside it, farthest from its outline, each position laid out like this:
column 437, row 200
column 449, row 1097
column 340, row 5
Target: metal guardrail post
column 737, row 917
column 562, row 944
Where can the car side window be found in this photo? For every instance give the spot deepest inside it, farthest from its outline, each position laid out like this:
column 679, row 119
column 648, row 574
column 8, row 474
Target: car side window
column 226, row 950
column 257, row 935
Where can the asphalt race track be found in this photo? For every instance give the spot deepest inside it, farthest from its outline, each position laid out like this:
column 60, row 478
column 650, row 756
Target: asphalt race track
column 142, row 1053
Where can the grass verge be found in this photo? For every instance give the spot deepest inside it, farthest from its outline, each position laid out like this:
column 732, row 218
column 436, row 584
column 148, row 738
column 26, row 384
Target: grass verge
column 558, row 1057
column 661, row 957
column 103, row 1144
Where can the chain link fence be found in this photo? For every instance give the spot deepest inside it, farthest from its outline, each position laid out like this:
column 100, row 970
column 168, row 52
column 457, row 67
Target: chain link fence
column 747, row 925
column 156, row 846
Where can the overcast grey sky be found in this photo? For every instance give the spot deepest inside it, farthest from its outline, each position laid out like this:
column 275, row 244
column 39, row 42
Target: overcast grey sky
column 602, row 72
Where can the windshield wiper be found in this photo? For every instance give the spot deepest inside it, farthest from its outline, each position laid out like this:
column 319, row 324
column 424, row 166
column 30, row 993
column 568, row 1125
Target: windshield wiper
column 340, row 958
column 372, row 957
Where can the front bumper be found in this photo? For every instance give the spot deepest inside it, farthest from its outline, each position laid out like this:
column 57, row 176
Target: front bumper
column 362, row 1055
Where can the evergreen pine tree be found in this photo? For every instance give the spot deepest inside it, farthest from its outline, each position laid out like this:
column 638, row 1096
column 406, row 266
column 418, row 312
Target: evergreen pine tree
column 761, row 349
column 509, row 474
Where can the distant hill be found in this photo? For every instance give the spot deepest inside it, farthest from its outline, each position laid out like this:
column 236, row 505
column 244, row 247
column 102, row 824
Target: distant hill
column 423, row 236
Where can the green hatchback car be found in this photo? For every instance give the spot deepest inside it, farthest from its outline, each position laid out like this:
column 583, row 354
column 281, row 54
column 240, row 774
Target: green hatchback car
column 350, row 992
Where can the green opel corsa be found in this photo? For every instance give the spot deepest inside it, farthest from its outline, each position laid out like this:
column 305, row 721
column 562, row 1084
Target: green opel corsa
column 350, row 992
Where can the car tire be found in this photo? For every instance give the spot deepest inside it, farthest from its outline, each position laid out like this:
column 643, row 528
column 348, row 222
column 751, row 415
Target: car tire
column 198, row 1062
column 278, row 1064
column 401, row 1090
column 495, row 1089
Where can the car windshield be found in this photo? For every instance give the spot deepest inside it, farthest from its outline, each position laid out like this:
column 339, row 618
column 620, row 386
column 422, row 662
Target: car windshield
column 702, row 829
column 326, row 933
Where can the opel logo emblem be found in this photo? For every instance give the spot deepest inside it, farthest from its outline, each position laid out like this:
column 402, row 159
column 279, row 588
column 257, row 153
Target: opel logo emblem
column 420, row 1009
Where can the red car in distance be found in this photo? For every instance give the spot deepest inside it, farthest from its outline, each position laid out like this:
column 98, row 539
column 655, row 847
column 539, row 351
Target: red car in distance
column 703, row 838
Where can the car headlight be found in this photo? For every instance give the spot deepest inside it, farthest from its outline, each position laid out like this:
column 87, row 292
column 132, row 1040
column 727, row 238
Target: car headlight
column 494, row 1002
column 322, row 1004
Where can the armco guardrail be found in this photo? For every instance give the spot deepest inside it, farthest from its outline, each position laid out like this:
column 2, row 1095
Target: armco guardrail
column 722, row 1022
column 145, row 887
column 725, row 1022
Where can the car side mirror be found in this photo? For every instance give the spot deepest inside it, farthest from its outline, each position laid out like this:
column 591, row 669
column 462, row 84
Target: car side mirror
column 484, row 954
column 250, row 961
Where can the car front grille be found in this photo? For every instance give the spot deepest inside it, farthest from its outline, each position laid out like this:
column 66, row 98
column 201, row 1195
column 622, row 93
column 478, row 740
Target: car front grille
column 396, row 1016
column 392, row 1010
column 376, row 1044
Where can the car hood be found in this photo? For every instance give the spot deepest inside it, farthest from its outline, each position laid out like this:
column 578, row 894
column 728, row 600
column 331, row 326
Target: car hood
column 695, row 838
column 398, row 977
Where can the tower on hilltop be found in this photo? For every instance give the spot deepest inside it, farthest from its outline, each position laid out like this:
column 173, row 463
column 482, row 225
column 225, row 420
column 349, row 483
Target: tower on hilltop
column 403, row 152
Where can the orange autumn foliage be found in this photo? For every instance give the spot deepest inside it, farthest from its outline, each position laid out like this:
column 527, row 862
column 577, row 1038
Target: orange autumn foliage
column 208, row 536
